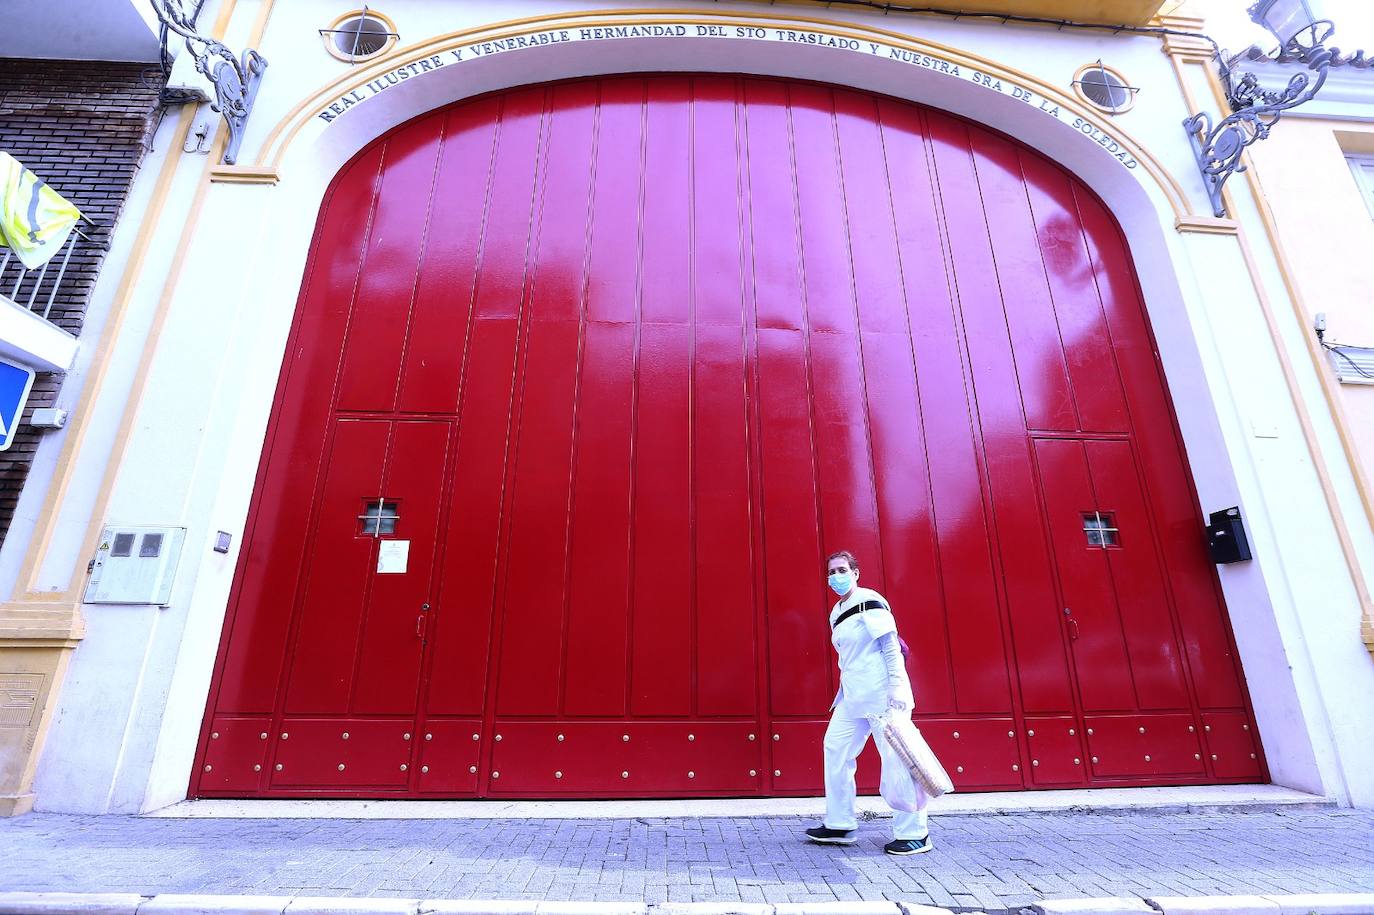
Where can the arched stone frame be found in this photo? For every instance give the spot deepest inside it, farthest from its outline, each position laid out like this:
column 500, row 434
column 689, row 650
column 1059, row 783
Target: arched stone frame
column 304, row 152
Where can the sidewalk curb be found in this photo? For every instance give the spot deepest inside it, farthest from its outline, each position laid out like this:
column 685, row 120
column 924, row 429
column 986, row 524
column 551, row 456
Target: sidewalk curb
column 197, row 904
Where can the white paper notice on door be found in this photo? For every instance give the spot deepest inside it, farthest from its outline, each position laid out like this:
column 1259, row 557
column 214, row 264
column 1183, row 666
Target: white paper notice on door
column 392, row 556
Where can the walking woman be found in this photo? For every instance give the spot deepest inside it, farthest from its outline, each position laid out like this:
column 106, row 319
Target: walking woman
column 873, row 679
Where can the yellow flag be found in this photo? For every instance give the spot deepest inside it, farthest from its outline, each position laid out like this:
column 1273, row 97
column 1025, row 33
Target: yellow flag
column 35, row 220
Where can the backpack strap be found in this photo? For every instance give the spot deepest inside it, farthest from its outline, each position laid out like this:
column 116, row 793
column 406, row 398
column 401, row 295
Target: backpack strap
column 859, row 608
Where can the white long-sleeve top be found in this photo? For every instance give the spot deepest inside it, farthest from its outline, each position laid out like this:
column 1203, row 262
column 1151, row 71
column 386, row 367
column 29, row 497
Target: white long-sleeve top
column 871, row 665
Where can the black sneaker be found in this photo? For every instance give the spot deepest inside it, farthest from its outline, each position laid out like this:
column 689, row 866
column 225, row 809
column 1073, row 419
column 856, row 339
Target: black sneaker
column 827, row 836
column 908, row 846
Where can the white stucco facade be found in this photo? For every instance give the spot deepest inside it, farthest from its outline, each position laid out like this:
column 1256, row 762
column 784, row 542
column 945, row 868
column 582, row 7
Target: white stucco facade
column 179, row 408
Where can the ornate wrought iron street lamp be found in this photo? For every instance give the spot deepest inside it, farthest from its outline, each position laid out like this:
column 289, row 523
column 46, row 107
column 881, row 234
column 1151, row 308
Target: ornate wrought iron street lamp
column 235, row 81
column 1254, row 110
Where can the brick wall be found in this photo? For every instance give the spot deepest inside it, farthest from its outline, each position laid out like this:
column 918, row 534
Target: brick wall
column 81, row 126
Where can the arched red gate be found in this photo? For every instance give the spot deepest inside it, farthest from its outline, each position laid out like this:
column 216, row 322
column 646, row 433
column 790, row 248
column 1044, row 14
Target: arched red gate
column 586, row 378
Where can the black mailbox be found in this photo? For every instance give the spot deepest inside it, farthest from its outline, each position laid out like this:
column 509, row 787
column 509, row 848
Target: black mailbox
column 1226, row 539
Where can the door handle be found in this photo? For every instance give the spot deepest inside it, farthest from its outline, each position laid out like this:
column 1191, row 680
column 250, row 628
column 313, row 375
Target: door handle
column 1073, row 624
column 420, row 626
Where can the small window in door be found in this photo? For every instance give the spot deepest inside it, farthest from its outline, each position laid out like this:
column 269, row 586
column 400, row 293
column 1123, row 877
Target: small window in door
column 1101, row 529
column 379, row 517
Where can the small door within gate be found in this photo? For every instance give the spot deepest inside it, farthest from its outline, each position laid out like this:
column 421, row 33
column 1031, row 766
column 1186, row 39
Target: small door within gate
column 586, row 380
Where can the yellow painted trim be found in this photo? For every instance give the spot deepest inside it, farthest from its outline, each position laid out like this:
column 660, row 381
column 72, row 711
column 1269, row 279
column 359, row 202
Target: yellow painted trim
column 385, row 49
column 243, row 174
column 1206, row 225
column 1106, row 13
column 1329, row 392
column 84, row 412
column 282, row 134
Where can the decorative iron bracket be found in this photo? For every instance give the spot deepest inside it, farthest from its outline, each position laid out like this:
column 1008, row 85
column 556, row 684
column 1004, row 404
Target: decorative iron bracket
column 235, row 81
column 1254, row 112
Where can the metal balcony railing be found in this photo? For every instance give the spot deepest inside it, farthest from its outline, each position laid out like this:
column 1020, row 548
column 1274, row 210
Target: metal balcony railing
column 38, row 289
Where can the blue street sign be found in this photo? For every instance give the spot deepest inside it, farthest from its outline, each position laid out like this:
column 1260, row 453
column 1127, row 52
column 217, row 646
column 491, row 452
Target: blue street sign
column 15, row 382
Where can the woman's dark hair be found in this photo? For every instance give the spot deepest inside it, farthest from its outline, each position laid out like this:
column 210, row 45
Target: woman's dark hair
column 846, row 556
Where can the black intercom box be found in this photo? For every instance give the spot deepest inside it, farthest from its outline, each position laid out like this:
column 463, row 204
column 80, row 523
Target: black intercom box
column 1226, row 538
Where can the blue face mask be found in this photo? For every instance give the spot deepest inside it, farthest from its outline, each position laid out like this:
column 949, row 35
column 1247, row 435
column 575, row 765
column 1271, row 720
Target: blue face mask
column 841, row 582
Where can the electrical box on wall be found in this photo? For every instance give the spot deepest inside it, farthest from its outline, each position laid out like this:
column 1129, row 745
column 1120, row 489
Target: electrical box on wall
column 135, row 565
column 1226, row 539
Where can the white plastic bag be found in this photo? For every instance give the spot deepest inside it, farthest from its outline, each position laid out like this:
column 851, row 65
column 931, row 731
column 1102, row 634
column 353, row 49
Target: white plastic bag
column 911, row 748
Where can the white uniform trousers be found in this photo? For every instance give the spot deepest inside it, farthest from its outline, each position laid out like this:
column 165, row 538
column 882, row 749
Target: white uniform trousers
column 844, row 740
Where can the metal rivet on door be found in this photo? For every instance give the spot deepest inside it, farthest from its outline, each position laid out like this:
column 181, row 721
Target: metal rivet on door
column 424, row 769
column 404, row 767
column 215, row 735
column 207, row 768
column 341, row 767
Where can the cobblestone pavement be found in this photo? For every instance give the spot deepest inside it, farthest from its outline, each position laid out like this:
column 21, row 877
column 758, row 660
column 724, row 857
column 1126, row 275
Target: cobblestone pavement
column 980, row 862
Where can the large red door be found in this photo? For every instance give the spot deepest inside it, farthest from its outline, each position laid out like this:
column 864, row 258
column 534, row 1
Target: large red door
column 586, row 379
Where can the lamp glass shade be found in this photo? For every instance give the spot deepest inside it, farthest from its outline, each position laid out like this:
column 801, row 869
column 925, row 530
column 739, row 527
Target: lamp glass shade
column 1287, row 19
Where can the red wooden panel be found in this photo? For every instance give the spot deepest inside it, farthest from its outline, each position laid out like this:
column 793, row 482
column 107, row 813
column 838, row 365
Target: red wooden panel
column 798, row 760
column 1020, row 255
column 1215, row 671
column 776, row 263
column 1156, row 662
column 372, row 353
column 342, row 752
column 449, row 753
column 868, row 215
column 1056, row 751
column 532, row 640
column 978, row 753
column 1232, row 749
column 662, row 627
column 614, row 238
column 1087, row 341
column 725, row 668
column 666, row 294
column 236, row 754
column 1099, row 646
column 625, row 758
column 716, row 202
column 1141, row 746
column 519, row 144
column 599, row 597
column 825, row 248
column 460, row 626
column 271, row 561
column 439, row 323
column 799, row 653
column 325, row 651
column 844, row 469
column 399, row 604
column 564, row 201
column 976, row 638
column 910, row 566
